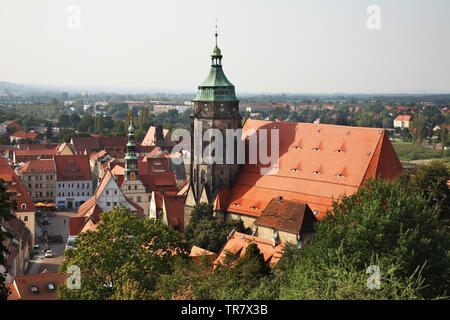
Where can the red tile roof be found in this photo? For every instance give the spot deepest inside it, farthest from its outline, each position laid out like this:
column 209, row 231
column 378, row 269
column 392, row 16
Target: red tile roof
column 14, row 184
column 22, row 286
column 150, row 137
column 24, row 135
column 12, row 124
column 72, row 167
column 76, row 224
column 174, row 206
column 286, row 215
column 198, row 252
column 403, row 118
column 115, row 146
column 238, row 242
column 38, row 166
column 317, row 164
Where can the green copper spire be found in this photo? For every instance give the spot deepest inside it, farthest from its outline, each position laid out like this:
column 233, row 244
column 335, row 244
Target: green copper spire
column 216, row 87
column 130, row 128
column 131, row 161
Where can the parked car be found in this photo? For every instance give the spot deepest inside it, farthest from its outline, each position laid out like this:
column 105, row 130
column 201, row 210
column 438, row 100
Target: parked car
column 48, row 253
column 70, row 241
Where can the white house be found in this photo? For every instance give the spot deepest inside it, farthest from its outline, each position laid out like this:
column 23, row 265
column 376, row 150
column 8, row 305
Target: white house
column 74, row 183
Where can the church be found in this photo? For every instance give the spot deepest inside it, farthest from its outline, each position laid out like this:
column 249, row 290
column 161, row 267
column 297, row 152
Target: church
column 317, row 164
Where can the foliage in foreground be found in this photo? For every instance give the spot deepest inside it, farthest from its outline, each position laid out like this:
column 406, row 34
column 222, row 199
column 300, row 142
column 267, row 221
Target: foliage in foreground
column 6, row 206
column 208, row 232
column 123, row 258
column 397, row 225
column 400, row 226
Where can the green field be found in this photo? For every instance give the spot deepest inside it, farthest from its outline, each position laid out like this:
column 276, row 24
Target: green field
column 410, row 153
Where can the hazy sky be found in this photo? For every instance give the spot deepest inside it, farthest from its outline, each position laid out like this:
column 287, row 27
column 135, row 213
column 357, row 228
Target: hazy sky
column 290, row 46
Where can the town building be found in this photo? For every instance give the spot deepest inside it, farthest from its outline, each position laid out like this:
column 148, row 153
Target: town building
column 316, row 165
column 12, row 125
column 215, row 107
column 19, row 248
column 114, row 146
column 74, row 184
column 41, row 286
column 157, row 136
column 25, row 208
column 20, row 135
column 107, row 196
column 139, row 178
column 237, row 243
column 402, row 121
column 39, row 177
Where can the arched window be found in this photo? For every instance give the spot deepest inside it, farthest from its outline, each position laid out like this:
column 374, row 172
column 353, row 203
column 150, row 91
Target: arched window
column 23, row 206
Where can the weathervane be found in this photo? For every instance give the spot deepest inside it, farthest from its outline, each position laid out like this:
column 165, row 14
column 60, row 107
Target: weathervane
column 216, row 32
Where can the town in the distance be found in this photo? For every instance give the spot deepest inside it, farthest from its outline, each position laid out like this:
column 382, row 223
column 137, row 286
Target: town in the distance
column 95, row 207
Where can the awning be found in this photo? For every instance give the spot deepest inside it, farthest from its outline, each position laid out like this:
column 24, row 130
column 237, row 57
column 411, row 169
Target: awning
column 50, row 205
column 40, row 204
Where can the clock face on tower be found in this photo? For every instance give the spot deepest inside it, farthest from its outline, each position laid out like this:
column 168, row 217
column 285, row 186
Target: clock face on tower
column 133, row 166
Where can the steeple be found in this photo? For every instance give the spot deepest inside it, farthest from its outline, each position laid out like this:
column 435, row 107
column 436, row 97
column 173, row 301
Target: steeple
column 215, row 107
column 131, row 169
column 216, row 87
column 216, row 57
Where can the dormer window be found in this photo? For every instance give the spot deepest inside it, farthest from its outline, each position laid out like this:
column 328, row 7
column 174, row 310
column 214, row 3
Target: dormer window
column 51, row 286
column 34, row 289
column 23, row 206
column 339, row 151
column 340, row 175
column 316, row 172
column 253, row 208
column 236, row 204
column 296, row 147
column 316, row 149
column 295, row 170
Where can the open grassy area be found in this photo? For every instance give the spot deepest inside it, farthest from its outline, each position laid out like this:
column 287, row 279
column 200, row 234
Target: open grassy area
column 408, row 152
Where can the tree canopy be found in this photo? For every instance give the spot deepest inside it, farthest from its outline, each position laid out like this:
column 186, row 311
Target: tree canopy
column 7, row 204
column 208, row 232
column 123, row 258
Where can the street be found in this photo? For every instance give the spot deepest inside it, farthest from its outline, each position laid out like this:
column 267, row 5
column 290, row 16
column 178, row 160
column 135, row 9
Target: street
column 59, row 225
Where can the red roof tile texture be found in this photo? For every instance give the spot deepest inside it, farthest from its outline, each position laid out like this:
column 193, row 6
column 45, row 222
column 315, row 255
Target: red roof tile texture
column 238, row 242
column 286, row 215
column 38, row 166
column 317, row 164
column 403, row 118
column 72, row 167
column 22, row 286
column 14, row 184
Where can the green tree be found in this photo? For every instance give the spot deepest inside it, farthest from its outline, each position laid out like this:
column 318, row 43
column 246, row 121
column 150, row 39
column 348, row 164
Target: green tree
column 49, row 132
column 387, row 224
column 7, row 205
column 430, row 181
column 64, row 120
column 208, row 232
column 124, row 256
column 65, row 135
column 444, row 138
column 420, row 124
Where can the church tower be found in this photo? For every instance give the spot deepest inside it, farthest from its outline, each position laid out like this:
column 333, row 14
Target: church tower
column 215, row 107
column 131, row 161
